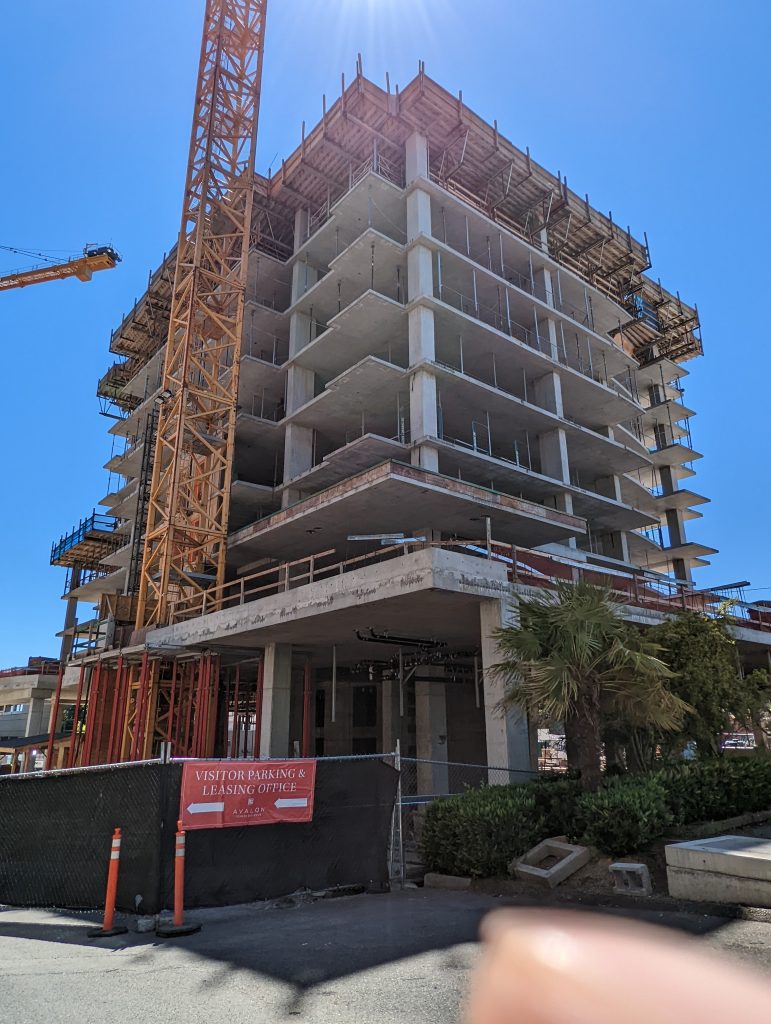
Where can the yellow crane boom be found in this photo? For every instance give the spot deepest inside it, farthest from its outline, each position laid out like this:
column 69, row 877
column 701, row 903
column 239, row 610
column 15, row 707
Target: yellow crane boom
column 95, row 258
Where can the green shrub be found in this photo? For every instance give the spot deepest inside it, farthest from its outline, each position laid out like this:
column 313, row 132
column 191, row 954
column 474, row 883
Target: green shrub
column 480, row 831
column 720, row 788
column 623, row 817
column 557, row 802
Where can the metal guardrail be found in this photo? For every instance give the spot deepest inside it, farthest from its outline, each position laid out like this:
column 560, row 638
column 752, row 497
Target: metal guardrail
column 95, row 523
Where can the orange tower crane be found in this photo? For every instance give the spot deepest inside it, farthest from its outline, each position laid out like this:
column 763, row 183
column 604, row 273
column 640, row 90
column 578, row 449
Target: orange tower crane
column 187, row 521
column 101, row 257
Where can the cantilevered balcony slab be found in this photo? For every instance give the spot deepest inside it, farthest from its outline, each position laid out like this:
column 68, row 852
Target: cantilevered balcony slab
column 123, row 502
column 459, row 270
column 367, row 326
column 682, row 499
column 519, row 253
column 256, row 374
column 690, row 552
column 128, row 463
column 249, row 501
column 673, row 455
column 360, row 454
column 112, row 583
column 364, row 394
column 372, row 201
column 660, row 371
column 353, row 272
column 489, row 471
column 585, row 399
column 259, row 430
column 120, row 558
column 670, row 411
column 591, row 453
column 395, row 497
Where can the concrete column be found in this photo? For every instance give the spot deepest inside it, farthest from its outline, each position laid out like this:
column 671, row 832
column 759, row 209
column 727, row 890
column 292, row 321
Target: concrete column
column 548, row 393
column 390, row 726
column 276, row 700
column 300, row 382
column 36, row 722
column 553, row 445
column 416, row 157
column 420, row 282
column 431, row 732
column 675, row 523
column 70, row 615
column 545, row 290
column 610, row 486
column 298, row 440
column 506, row 732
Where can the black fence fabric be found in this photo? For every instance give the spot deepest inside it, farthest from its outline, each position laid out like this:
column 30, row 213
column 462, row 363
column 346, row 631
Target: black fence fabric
column 55, row 833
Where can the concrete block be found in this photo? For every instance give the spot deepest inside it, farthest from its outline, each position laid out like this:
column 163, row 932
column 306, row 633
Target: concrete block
column 146, row 924
column 550, row 862
column 631, row 879
column 723, row 869
column 433, row 880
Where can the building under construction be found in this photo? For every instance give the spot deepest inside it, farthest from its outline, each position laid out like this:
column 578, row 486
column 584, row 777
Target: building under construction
column 449, row 375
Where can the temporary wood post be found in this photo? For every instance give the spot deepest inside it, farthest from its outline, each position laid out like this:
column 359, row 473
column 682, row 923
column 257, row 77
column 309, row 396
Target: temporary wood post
column 108, row 924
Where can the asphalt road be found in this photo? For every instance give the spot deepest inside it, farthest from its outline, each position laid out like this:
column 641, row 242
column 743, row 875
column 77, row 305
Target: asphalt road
column 399, row 957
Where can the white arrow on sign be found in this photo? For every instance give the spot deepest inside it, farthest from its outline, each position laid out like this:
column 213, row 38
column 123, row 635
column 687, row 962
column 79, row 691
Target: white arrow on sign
column 293, row 802
column 205, row 808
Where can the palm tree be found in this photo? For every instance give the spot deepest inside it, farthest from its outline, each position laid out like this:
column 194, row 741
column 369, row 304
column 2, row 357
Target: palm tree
column 573, row 659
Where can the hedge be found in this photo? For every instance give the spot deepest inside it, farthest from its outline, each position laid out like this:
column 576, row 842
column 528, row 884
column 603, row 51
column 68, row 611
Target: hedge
column 479, row 832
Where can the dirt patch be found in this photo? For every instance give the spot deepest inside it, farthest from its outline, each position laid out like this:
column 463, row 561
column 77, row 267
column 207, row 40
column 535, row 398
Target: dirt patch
column 592, row 880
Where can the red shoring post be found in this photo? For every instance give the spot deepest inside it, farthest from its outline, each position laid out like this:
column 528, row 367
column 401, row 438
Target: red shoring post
column 75, row 719
column 54, row 716
column 199, row 702
column 190, row 683
column 120, row 728
column 108, row 924
column 115, row 709
column 96, row 739
column 137, row 736
column 91, row 712
column 172, row 696
column 178, row 927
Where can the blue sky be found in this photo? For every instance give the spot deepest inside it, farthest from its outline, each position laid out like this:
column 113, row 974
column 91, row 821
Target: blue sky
column 660, row 111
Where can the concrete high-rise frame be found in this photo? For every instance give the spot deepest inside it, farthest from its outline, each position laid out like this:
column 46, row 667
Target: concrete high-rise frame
column 443, row 345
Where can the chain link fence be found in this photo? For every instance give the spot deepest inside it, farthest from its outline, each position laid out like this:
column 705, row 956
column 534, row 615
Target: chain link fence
column 56, row 828
column 421, row 781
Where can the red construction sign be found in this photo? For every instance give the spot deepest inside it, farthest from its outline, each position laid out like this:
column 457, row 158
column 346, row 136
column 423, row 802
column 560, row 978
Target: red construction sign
column 225, row 794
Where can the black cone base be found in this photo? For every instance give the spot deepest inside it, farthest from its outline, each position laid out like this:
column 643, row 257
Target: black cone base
column 171, row 930
column 97, row 933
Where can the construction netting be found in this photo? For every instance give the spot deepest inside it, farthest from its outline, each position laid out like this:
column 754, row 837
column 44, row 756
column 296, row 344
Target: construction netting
column 56, row 829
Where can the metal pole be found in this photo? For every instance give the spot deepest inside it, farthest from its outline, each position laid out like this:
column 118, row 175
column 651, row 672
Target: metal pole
column 236, row 695
column 306, row 748
column 334, row 683
column 258, row 708
column 398, row 766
